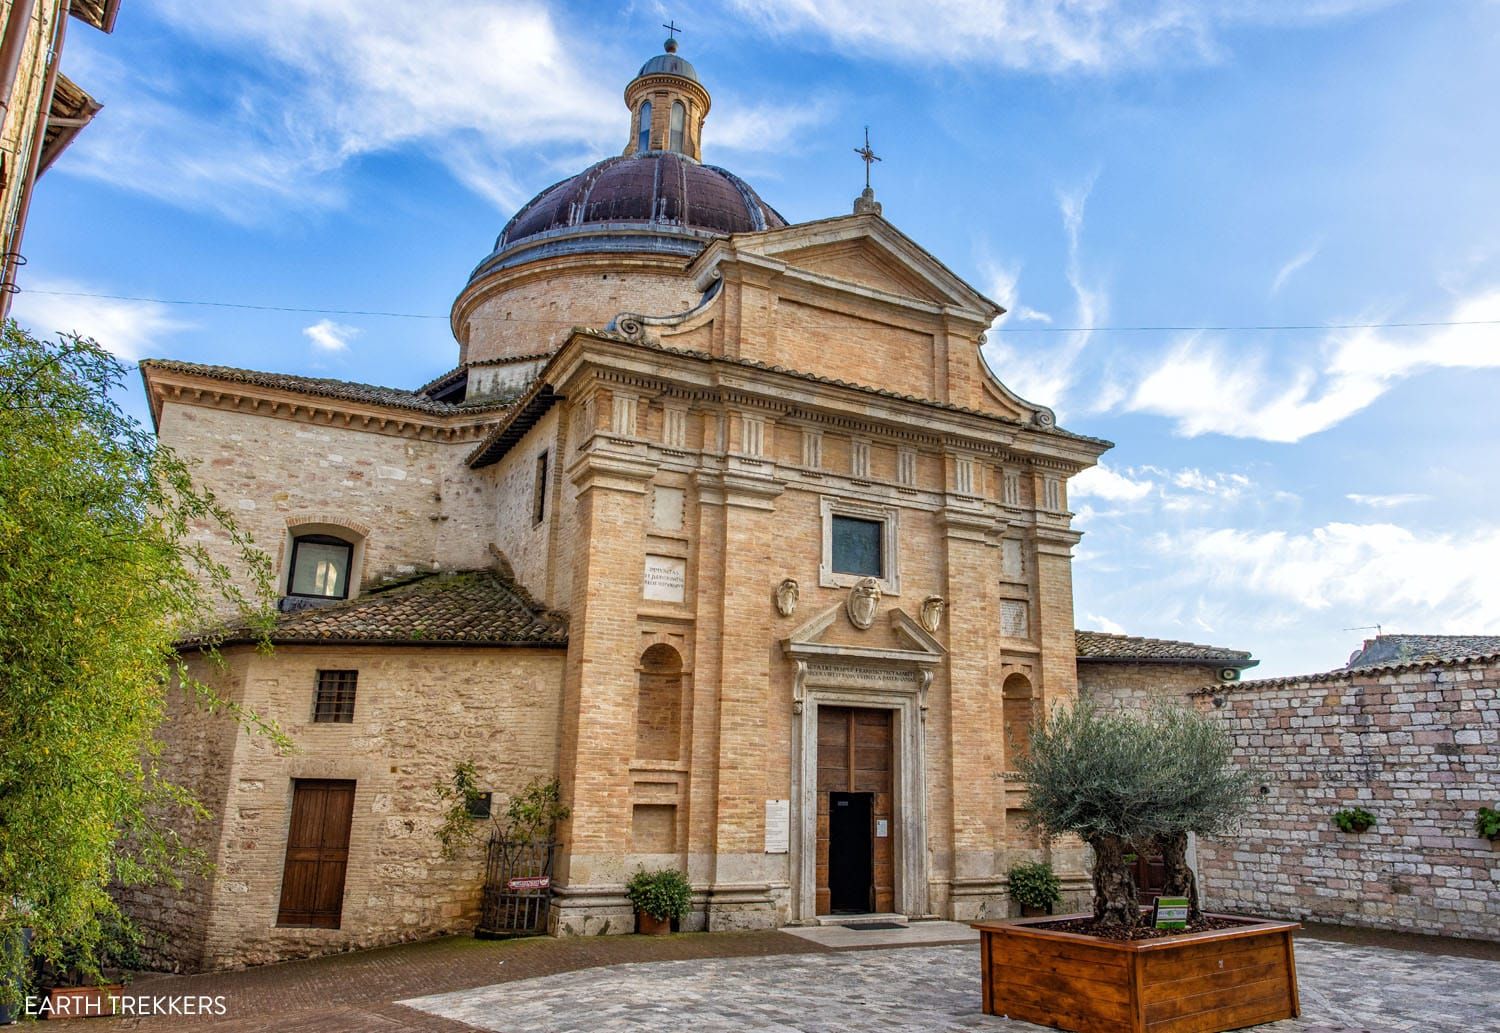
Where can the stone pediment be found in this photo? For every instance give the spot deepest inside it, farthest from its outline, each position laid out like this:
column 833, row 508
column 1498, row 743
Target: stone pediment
column 866, row 251
column 896, row 639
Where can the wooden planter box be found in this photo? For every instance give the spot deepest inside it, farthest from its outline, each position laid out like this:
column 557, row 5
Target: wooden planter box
column 83, row 1002
column 1192, row 983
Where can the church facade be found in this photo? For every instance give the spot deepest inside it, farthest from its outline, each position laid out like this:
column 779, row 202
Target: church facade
column 722, row 521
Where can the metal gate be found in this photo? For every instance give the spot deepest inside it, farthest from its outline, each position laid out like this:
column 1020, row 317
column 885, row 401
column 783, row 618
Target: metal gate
column 517, row 888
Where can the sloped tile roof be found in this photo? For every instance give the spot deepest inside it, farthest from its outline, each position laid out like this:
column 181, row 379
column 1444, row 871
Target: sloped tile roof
column 1100, row 645
column 1397, row 649
column 324, row 387
column 475, row 607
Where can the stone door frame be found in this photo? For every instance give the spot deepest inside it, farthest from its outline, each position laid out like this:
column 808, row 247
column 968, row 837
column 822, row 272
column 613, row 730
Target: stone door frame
column 894, row 679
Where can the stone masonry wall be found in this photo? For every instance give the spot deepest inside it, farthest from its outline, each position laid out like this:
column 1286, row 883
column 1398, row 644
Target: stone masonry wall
column 1131, row 683
column 1418, row 745
column 418, row 712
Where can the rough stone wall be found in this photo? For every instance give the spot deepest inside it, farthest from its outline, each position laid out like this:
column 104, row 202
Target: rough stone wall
column 1130, row 684
column 1418, row 745
column 418, row 712
column 526, row 542
column 422, row 508
column 197, row 754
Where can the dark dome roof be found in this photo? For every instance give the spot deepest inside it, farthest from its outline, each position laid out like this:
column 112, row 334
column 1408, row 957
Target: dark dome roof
column 668, row 64
column 658, row 201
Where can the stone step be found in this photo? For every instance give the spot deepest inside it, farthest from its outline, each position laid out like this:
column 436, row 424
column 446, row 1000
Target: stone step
column 855, row 921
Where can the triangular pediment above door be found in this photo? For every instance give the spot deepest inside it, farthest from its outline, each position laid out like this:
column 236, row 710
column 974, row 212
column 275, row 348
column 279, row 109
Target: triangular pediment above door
column 895, row 638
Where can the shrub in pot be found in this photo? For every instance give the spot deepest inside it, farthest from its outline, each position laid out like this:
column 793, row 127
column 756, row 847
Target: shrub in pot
column 1036, row 887
column 659, row 898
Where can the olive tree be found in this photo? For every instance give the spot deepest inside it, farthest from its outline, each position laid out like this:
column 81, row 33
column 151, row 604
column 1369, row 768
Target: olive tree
column 102, row 571
column 1131, row 782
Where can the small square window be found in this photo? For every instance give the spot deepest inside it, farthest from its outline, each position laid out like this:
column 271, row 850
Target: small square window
column 320, row 567
column 857, row 546
column 334, row 702
column 478, row 805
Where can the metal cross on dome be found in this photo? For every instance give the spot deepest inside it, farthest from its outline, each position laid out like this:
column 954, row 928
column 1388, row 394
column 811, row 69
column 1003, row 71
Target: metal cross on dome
column 869, row 156
column 671, row 27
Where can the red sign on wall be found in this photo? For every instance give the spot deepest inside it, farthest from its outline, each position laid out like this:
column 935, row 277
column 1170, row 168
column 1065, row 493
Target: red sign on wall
column 530, row 882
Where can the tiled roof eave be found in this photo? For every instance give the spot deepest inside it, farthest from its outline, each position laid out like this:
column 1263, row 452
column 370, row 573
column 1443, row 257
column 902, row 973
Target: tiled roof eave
column 1345, row 674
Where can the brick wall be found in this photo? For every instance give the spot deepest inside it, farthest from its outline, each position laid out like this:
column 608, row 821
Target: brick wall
column 1114, row 683
column 1419, row 746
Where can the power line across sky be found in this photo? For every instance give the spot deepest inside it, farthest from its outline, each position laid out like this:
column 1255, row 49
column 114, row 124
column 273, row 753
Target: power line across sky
column 1220, row 328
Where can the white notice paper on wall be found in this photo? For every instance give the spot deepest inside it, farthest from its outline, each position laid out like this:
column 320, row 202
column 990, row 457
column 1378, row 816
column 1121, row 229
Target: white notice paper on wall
column 882, row 828
column 778, row 826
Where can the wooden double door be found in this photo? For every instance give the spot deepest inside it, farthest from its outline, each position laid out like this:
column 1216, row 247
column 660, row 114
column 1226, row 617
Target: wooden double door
column 317, row 853
column 856, row 826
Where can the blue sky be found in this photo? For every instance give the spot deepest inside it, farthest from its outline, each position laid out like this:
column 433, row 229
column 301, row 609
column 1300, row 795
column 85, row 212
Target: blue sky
column 1117, row 163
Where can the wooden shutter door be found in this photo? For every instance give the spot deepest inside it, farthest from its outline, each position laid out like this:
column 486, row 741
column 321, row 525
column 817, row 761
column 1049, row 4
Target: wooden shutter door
column 317, row 853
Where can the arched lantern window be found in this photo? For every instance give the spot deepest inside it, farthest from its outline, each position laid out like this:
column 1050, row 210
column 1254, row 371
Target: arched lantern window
column 643, row 127
column 679, row 122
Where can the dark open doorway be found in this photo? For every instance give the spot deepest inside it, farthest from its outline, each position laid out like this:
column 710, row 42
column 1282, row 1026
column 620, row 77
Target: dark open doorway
column 851, row 854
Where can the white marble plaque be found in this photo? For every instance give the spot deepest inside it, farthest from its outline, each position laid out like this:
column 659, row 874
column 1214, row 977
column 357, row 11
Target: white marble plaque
column 1013, row 619
column 778, row 826
column 882, row 828
column 666, row 508
column 665, row 579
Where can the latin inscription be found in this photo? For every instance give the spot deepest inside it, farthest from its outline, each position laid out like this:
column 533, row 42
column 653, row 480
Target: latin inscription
column 665, row 579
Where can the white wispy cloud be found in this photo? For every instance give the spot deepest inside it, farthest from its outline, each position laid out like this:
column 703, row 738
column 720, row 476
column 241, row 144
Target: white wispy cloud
column 1436, row 581
column 129, row 329
column 1104, row 482
column 1205, row 386
column 1045, row 370
column 1099, row 623
column 330, row 336
column 1036, row 35
column 493, row 89
column 1292, row 266
column 1386, row 501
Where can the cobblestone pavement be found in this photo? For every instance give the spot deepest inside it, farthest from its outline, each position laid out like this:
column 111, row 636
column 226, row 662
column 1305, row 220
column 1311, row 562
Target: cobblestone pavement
column 1345, row 989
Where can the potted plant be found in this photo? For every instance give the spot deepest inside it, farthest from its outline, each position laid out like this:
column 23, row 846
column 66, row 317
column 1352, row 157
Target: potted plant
column 660, row 898
column 1487, row 823
column 1036, row 887
column 82, row 980
column 1354, row 819
column 1128, row 783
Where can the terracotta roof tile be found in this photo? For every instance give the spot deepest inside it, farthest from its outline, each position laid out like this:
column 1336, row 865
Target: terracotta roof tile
column 475, row 607
column 1100, row 645
column 324, row 387
column 1396, row 649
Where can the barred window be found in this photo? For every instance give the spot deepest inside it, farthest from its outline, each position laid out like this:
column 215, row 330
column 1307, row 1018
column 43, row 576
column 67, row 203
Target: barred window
column 335, row 696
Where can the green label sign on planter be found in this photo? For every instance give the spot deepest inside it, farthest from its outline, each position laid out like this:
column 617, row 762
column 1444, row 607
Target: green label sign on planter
column 1171, row 913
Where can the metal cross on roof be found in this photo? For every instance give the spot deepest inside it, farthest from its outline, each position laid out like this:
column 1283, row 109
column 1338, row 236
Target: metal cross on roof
column 869, row 156
column 672, row 29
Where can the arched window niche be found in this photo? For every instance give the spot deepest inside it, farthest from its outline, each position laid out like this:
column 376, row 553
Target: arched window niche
column 643, row 127
column 679, row 124
column 658, row 712
column 1016, row 703
column 321, row 564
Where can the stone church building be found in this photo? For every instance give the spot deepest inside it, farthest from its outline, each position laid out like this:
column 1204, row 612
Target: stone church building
column 722, row 521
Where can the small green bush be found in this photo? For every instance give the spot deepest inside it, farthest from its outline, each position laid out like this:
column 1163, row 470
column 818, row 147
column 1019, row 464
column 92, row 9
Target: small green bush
column 664, row 894
column 1487, row 823
column 1354, row 819
column 1035, row 884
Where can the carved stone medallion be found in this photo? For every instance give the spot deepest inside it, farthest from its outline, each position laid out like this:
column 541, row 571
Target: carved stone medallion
column 786, row 597
column 864, row 601
column 931, row 614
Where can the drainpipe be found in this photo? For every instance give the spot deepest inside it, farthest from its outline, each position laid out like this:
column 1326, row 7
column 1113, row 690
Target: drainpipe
column 10, row 50
column 13, row 246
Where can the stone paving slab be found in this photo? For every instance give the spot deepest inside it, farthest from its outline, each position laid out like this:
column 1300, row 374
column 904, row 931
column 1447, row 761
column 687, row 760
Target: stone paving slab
column 1345, row 989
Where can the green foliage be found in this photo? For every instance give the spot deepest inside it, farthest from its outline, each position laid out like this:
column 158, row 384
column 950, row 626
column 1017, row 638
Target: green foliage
column 102, row 570
column 531, row 814
column 1035, row 884
column 1354, row 819
column 1125, row 781
column 1487, row 822
column 664, row 894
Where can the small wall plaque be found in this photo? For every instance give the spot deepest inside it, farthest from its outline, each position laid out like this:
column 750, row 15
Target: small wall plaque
column 665, row 579
column 1170, row 913
column 778, row 826
column 882, row 828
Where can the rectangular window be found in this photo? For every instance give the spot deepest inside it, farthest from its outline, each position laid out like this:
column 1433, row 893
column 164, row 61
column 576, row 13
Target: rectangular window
column 320, row 567
column 857, row 546
column 334, row 702
column 539, row 490
column 478, row 805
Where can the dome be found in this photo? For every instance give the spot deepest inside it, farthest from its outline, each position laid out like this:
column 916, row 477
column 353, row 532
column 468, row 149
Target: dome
column 668, row 64
column 657, row 201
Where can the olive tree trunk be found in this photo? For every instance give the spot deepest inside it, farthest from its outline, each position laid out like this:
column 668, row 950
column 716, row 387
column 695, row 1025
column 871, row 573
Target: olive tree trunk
column 1178, row 879
column 1115, row 905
